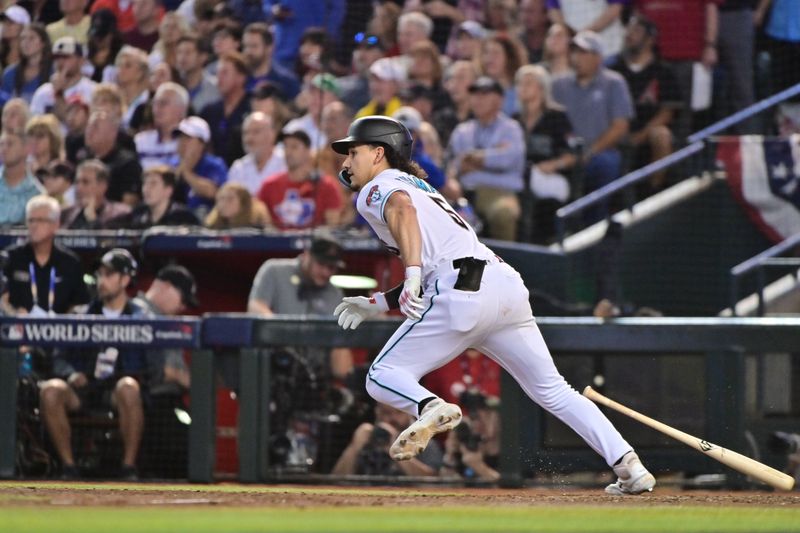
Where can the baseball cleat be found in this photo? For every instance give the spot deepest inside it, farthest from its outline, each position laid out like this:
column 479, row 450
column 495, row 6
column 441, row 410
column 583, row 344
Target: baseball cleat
column 437, row 417
column 632, row 477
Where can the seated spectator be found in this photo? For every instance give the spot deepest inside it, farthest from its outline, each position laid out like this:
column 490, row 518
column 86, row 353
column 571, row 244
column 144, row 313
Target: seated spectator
column 132, row 76
column 336, row 119
column 555, row 55
column 500, row 57
column 548, row 156
column 158, row 146
column 368, row 450
column 226, row 115
column 469, row 35
column 147, row 15
column 105, row 42
column 67, row 80
column 15, row 115
column 354, row 89
column 314, row 54
column 190, row 58
column 200, row 173
column 258, row 49
column 236, row 208
column 603, row 17
column 104, row 377
column 423, row 99
column 533, row 15
column 265, row 98
column 12, row 20
column 158, row 208
column 76, row 119
column 458, row 78
column 92, row 209
column 17, row 184
column 43, row 276
column 125, row 172
column 58, row 179
column 107, row 97
column 263, row 157
column 35, row 63
column 384, row 24
column 599, row 108
column 412, row 27
column 655, row 96
column 320, row 92
column 300, row 197
column 74, row 24
column 226, row 39
column 302, row 286
column 425, row 70
column 44, row 140
column 488, row 157
column 412, row 120
column 123, row 12
column 385, row 77
column 170, row 30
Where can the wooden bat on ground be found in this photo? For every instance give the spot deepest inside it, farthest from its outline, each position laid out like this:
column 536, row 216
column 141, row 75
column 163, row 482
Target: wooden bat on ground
column 737, row 461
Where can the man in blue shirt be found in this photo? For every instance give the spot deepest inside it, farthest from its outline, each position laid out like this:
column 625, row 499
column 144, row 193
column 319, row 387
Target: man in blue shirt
column 17, row 184
column 201, row 174
column 257, row 48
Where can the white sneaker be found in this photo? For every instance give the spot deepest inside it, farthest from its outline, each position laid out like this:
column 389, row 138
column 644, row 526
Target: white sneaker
column 633, row 477
column 438, row 416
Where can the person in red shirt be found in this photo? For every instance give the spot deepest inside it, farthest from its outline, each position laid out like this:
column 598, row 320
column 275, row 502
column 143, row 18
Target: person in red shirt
column 301, row 197
column 471, row 372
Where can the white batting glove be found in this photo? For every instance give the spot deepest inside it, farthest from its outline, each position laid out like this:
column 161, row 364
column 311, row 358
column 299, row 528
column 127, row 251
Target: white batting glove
column 410, row 300
column 354, row 310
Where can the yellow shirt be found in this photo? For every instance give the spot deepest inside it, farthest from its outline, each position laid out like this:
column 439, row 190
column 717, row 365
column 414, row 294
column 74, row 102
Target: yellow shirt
column 369, row 109
column 79, row 31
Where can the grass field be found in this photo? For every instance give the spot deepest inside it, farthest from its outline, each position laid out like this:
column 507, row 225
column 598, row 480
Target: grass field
column 118, row 508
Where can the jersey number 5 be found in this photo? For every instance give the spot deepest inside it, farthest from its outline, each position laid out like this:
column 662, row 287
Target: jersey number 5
column 441, row 202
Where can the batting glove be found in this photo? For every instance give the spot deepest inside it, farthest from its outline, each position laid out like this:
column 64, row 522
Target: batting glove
column 354, row 310
column 410, row 300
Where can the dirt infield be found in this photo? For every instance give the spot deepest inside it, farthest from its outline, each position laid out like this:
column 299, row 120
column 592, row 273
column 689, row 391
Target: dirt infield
column 84, row 494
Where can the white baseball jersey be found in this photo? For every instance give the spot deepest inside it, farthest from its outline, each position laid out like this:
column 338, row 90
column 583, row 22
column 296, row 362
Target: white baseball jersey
column 496, row 319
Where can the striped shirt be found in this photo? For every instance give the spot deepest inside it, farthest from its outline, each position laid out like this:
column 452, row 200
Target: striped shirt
column 153, row 150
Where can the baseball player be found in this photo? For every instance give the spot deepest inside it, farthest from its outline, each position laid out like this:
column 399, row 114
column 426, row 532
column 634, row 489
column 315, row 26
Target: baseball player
column 457, row 294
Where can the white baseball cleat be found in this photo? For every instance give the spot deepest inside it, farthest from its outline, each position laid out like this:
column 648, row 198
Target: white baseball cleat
column 632, row 477
column 438, row 416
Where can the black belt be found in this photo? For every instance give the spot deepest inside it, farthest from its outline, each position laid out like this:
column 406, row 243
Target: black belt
column 470, row 273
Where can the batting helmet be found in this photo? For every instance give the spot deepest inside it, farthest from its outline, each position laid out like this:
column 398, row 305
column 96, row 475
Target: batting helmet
column 376, row 129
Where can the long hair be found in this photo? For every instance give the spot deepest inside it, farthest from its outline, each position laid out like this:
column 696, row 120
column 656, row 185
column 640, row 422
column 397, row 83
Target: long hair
column 402, row 164
column 252, row 211
column 45, row 63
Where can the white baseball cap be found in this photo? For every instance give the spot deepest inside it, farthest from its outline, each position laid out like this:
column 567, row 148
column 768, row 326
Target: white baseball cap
column 389, row 69
column 67, row 46
column 194, row 127
column 408, row 117
column 16, row 14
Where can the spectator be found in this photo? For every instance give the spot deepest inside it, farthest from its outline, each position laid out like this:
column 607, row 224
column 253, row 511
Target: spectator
column 468, row 40
column 158, row 146
column 144, row 34
column 533, row 15
column 385, row 77
column 170, row 30
column 105, row 42
column 321, row 91
column 35, row 63
column 106, row 377
column 74, row 24
column 301, row 197
column 368, row 450
column 132, row 73
column 125, row 172
column 500, row 57
column 158, row 208
column 258, row 49
column 555, row 56
column 470, row 376
column 603, row 17
column 122, row 11
column 736, row 49
column 302, row 286
column 488, row 157
column 501, row 16
column 58, row 179
column 265, row 98
column 412, row 120
column 15, row 115
column 354, row 89
column 336, row 119
column 315, row 53
column 67, row 80
column 14, row 18
column 655, row 96
column 227, row 40
column 190, row 58
column 17, row 185
column 412, row 28
column 43, row 276
column 225, row 116
column 200, row 173
column 44, row 141
column 75, row 122
column 600, row 109
column 458, row 78
column 263, row 157
column 425, row 70
column 290, row 18
column 384, row 23
column 236, row 208
column 92, row 209
column 548, row 156
column 781, row 21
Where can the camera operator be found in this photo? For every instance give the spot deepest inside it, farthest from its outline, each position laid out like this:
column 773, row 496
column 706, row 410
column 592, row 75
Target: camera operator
column 788, row 444
column 472, row 449
column 368, row 451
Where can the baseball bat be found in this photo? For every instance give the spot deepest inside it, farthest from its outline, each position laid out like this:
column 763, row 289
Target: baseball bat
column 737, row 461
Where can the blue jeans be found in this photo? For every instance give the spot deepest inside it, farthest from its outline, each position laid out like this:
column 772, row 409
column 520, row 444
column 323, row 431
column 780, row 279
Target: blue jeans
column 600, row 170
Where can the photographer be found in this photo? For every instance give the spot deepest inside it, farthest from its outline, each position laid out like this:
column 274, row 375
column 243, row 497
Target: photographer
column 472, row 449
column 368, row 451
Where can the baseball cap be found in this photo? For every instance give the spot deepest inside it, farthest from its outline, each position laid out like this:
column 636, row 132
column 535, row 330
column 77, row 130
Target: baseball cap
column 77, row 99
column 324, row 249
column 120, row 260
column 409, row 117
column 298, row 134
column 183, row 280
column 389, row 69
column 485, row 84
column 67, row 46
column 194, row 127
column 16, row 14
column 588, row 41
column 103, row 22
column 472, row 28
column 326, row 81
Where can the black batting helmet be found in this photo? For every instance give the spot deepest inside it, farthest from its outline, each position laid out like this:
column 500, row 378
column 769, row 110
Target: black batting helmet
column 376, row 129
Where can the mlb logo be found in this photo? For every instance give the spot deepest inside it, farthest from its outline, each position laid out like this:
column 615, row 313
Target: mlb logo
column 14, row 332
column 374, row 195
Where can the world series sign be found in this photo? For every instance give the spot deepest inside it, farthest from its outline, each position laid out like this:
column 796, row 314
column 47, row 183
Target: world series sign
column 90, row 330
